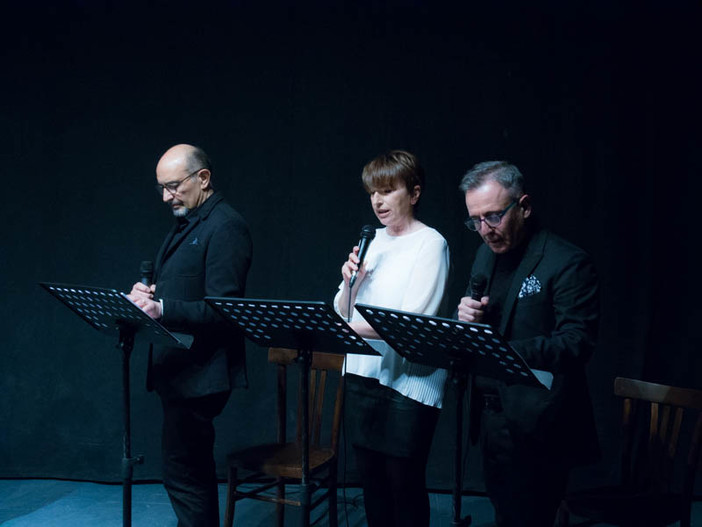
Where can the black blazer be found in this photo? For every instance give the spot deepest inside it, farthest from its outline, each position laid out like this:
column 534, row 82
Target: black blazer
column 550, row 316
column 208, row 255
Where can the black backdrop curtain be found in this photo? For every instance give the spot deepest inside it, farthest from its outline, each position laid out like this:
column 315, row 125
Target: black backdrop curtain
column 597, row 103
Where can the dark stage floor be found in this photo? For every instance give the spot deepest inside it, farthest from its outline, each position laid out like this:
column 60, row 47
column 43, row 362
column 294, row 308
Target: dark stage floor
column 53, row 503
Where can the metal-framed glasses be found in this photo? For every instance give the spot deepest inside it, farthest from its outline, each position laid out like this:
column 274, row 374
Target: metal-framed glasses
column 491, row 220
column 173, row 186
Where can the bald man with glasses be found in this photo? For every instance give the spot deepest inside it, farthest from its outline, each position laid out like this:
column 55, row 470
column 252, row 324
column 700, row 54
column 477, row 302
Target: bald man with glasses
column 207, row 253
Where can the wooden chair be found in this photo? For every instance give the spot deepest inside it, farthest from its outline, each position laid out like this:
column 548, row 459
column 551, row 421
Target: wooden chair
column 655, row 490
column 276, row 464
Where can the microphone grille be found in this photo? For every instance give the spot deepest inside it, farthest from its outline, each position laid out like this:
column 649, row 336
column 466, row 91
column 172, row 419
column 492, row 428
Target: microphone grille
column 368, row 232
column 478, row 283
column 146, row 267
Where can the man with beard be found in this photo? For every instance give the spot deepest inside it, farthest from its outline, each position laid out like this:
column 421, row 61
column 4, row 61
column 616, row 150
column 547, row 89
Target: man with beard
column 207, row 253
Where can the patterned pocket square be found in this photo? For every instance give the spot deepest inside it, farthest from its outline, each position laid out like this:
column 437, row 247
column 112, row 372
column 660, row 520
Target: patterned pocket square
column 530, row 287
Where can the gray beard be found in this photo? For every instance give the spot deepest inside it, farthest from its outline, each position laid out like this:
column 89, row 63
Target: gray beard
column 181, row 212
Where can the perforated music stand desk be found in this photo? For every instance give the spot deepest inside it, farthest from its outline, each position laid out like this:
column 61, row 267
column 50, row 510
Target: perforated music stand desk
column 300, row 325
column 110, row 312
column 461, row 348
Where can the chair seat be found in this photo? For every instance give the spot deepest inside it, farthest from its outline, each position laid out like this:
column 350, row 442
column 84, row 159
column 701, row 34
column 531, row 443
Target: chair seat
column 282, row 460
column 621, row 507
column 272, row 466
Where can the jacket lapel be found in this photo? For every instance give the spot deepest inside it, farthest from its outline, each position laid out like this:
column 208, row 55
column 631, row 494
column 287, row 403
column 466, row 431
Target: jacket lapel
column 172, row 242
column 178, row 233
column 532, row 256
column 162, row 251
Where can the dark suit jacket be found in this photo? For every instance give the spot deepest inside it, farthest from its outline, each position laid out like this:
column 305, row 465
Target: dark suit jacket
column 550, row 316
column 209, row 255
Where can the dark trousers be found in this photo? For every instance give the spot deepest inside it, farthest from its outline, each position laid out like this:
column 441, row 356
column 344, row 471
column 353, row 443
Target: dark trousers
column 394, row 489
column 525, row 486
column 188, row 462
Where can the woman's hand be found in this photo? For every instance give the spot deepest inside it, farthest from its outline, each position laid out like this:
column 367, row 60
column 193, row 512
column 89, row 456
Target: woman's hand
column 347, row 293
column 353, row 264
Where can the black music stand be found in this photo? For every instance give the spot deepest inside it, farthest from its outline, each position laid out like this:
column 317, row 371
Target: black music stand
column 112, row 313
column 459, row 347
column 304, row 326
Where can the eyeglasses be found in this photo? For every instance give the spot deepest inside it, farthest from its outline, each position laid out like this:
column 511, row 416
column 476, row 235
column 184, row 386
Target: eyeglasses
column 491, row 220
column 173, row 186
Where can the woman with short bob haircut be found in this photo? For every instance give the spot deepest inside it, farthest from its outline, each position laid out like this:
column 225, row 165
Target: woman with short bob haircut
column 392, row 405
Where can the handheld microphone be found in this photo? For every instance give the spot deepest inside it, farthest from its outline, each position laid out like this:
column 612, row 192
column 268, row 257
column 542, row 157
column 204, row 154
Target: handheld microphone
column 478, row 283
column 146, row 269
column 367, row 235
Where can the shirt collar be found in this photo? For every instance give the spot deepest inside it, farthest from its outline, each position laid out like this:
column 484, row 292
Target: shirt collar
column 203, row 210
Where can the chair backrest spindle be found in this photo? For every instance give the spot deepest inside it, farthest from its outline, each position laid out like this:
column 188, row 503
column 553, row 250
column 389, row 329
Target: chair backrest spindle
column 322, row 364
column 666, row 409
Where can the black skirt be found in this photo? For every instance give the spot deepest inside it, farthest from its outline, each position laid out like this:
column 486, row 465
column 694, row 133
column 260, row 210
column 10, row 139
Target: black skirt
column 379, row 418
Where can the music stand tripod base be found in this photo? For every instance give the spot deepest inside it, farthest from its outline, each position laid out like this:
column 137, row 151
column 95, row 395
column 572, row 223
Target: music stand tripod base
column 112, row 313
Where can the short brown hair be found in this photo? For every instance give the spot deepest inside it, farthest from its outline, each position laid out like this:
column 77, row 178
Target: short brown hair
column 392, row 167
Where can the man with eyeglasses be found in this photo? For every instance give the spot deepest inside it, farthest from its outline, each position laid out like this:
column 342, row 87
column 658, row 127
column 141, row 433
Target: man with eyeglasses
column 207, row 253
column 542, row 295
